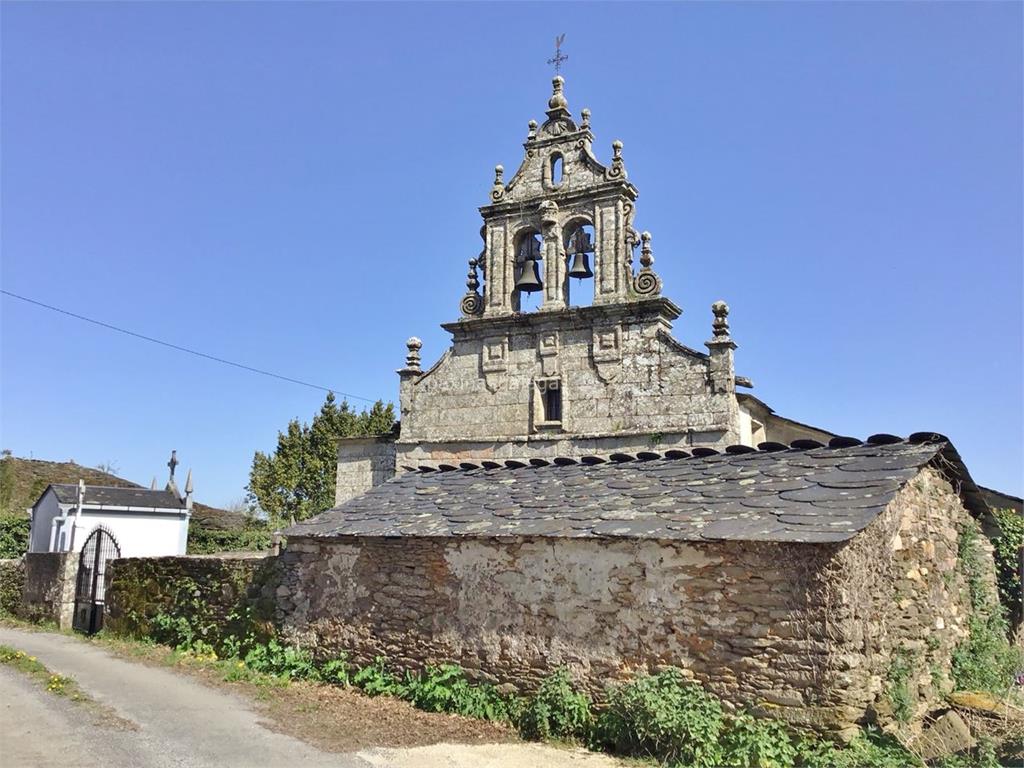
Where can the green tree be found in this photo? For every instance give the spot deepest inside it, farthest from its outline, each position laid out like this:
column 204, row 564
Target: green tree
column 296, row 481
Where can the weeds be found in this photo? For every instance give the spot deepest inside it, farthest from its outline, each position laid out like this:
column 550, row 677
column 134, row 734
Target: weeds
column 58, row 685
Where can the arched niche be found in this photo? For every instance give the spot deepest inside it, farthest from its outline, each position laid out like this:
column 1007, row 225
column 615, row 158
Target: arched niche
column 579, row 249
column 528, row 243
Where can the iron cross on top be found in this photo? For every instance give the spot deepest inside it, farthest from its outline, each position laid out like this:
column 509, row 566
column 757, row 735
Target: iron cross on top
column 559, row 57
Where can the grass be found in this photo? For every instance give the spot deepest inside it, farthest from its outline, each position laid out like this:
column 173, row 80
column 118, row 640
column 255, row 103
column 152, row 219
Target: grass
column 30, row 666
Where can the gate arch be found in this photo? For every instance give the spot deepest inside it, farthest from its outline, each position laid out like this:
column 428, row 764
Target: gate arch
column 99, row 547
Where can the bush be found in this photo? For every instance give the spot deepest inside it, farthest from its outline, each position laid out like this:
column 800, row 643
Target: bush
column 1007, row 553
column 446, row 689
column 557, row 710
column 14, row 530
column 206, row 541
column 664, row 717
column 985, row 661
column 377, row 679
column 753, row 742
column 285, row 661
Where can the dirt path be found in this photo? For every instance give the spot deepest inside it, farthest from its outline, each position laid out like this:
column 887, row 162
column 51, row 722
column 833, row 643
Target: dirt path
column 179, row 722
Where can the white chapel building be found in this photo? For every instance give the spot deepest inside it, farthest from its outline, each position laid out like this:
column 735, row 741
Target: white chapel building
column 142, row 522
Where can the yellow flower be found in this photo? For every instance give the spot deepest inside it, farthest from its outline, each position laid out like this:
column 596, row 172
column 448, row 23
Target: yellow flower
column 31, row 658
column 241, row 664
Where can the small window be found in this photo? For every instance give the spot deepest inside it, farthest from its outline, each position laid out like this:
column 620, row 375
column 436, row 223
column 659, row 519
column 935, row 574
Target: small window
column 552, row 394
column 556, row 169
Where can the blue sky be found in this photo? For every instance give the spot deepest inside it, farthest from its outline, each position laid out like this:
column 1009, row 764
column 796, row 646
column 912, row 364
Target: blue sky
column 294, row 186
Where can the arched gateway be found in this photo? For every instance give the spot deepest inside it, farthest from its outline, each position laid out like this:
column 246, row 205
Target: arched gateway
column 89, row 590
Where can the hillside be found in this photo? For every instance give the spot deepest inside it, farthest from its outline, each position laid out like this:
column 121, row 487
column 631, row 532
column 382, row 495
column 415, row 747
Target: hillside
column 23, row 480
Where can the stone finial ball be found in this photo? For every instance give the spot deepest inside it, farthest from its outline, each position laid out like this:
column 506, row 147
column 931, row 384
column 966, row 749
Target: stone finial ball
column 532, row 125
column 585, row 113
column 414, row 343
column 645, row 235
column 616, row 144
column 499, row 169
column 720, row 308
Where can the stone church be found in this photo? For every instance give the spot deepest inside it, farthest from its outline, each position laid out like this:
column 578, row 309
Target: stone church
column 572, row 486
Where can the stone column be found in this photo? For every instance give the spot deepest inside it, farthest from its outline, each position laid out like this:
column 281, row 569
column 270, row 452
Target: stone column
column 722, row 370
column 554, row 258
column 408, row 376
column 610, row 264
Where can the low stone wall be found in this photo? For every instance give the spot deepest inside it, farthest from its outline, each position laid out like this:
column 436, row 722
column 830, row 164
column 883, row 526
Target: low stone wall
column 826, row 635
column 221, row 592
column 12, row 582
column 741, row 618
column 49, row 589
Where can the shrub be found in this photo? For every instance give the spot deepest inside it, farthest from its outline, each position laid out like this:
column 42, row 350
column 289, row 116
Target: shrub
column 868, row 749
column 286, row 661
column 1007, row 553
column 253, row 537
column 985, row 660
column 557, row 710
column 753, row 742
column 664, row 717
column 14, row 530
column 446, row 689
column 901, row 668
column 377, row 680
column 336, row 671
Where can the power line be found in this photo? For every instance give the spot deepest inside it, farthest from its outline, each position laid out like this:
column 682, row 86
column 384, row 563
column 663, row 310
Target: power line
column 181, row 349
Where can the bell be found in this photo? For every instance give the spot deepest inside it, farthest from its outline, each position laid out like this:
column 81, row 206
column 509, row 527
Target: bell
column 580, row 268
column 529, row 277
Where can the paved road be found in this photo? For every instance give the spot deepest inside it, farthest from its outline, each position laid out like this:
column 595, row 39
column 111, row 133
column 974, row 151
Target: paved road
column 180, row 723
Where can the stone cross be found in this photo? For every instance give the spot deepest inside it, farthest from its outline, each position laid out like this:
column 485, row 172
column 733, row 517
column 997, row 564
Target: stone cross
column 173, row 462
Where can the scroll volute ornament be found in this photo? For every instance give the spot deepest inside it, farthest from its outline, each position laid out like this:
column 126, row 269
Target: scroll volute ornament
column 498, row 190
column 646, row 283
column 472, row 303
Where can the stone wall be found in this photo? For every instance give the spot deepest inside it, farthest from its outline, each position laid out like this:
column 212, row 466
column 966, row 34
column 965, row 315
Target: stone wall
column 49, row 591
column 12, row 582
column 815, row 634
column 363, row 462
column 739, row 617
column 899, row 599
column 211, row 588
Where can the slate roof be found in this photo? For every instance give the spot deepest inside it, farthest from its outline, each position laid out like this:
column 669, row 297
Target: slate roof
column 140, row 498
column 804, row 493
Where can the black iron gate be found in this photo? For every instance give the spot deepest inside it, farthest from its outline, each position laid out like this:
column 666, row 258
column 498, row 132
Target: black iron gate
column 89, row 590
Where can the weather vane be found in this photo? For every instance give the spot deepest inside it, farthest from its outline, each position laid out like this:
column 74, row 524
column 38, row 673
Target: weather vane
column 559, row 56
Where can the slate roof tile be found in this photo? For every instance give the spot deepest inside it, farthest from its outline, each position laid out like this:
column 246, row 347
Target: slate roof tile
column 67, row 493
column 817, row 495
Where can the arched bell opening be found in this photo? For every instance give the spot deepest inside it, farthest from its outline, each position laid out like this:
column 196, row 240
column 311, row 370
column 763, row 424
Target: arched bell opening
column 579, row 258
column 528, row 290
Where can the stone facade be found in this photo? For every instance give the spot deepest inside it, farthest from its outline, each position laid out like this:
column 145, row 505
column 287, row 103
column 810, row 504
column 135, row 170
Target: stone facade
column 802, row 631
column 621, row 378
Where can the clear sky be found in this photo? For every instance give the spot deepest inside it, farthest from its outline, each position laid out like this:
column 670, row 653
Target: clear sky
column 294, row 186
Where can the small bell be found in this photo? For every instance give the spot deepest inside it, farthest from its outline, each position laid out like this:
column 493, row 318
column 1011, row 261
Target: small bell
column 580, row 268
column 529, row 276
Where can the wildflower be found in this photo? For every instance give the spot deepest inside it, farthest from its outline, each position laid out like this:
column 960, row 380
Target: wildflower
column 31, row 658
column 240, row 664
